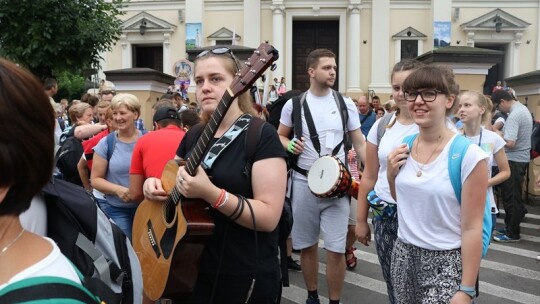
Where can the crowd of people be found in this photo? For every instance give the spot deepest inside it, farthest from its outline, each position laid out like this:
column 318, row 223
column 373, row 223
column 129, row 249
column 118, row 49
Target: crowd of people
column 429, row 243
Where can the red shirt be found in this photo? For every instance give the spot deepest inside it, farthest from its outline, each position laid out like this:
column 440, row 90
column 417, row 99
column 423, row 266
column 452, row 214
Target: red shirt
column 89, row 144
column 154, row 150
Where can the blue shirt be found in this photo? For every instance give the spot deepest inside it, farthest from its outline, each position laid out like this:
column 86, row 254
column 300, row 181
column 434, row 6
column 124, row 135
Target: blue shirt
column 367, row 121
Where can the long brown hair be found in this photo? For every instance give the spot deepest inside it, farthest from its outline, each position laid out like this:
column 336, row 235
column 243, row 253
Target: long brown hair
column 245, row 102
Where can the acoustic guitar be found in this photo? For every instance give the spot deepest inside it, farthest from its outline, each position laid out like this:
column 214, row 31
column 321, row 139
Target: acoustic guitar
column 169, row 236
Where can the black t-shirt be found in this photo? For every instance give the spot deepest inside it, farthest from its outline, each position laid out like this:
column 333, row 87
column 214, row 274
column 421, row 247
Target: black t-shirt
column 227, row 172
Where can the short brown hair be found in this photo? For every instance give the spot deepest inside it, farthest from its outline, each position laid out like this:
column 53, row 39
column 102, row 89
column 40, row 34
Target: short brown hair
column 313, row 57
column 27, row 137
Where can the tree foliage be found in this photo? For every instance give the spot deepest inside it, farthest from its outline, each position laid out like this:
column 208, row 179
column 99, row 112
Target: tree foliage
column 58, row 35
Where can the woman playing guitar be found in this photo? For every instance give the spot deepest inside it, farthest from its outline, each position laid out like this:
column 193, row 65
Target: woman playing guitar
column 245, row 207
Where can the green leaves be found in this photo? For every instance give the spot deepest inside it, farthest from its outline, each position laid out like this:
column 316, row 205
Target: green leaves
column 58, row 35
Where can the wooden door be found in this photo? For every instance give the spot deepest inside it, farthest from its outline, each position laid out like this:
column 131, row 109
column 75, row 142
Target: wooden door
column 307, row 36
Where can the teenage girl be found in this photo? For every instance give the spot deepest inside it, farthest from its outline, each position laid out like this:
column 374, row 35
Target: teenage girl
column 374, row 179
column 474, row 111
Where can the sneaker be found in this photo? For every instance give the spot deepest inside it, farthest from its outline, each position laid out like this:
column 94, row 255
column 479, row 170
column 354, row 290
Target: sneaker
column 503, row 238
column 499, row 231
column 312, row 301
column 293, row 265
column 538, row 257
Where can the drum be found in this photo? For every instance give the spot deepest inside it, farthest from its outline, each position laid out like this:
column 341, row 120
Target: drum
column 328, row 177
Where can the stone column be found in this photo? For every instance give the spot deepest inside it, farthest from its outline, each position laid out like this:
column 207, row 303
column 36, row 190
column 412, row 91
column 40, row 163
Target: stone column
column 353, row 49
column 167, row 53
column 252, row 23
column 278, row 38
column 380, row 46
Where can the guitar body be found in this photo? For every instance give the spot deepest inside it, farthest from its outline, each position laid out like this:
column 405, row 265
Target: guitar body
column 169, row 240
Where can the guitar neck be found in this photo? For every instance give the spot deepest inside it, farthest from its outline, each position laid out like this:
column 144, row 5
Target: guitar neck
column 202, row 145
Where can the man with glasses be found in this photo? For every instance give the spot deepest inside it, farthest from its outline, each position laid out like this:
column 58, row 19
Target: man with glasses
column 517, row 134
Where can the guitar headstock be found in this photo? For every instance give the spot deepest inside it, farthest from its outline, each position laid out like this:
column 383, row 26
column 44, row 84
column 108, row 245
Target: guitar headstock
column 262, row 58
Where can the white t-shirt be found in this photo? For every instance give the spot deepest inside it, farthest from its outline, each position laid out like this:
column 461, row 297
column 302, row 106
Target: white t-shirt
column 53, row 265
column 429, row 213
column 392, row 138
column 490, row 143
column 327, row 119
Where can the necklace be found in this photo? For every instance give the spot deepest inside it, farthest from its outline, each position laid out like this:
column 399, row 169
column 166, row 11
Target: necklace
column 421, row 167
column 479, row 140
column 12, row 242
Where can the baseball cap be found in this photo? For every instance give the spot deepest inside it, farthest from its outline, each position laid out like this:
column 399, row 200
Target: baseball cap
column 165, row 113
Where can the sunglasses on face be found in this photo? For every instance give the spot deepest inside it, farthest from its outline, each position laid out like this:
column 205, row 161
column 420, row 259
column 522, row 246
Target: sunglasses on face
column 220, row 51
column 426, row 95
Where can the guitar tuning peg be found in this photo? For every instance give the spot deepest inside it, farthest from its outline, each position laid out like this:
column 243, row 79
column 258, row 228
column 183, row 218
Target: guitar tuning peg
column 273, row 67
column 263, row 78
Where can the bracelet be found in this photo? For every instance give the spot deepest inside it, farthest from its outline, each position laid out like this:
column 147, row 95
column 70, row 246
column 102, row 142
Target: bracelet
column 290, row 148
column 224, row 201
column 221, row 195
column 241, row 201
column 236, row 209
column 470, row 291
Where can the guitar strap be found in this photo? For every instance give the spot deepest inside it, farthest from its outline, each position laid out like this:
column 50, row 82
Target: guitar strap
column 224, row 141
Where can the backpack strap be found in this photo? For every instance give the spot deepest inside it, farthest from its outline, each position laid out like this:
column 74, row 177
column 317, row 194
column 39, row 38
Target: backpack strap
column 381, row 128
column 47, row 287
column 253, row 136
column 344, row 120
column 297, row 102
column 312, row 130
column 458, row 148
column 111, row 144
column 367, row 116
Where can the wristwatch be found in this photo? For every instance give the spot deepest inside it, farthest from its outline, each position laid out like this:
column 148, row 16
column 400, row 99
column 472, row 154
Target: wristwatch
column 470, row 291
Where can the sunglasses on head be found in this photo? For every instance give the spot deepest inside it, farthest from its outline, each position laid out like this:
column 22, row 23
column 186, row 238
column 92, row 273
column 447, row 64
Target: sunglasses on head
column 220, row 51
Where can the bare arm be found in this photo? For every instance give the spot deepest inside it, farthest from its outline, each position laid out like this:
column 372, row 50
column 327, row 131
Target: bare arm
column 284, row 133
column 136, row 182
column 87, row 130
column 369, row 178
column 268, row 196
column 396, row 159
column 359, row 144
column 97, row 177
column 84, row 174
column 473, row 198
column 504, row 169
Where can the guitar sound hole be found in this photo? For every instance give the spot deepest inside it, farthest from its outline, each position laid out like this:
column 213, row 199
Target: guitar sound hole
column 170, row 210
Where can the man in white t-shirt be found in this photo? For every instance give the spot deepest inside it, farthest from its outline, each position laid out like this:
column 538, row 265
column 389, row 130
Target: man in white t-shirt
column 313, row 214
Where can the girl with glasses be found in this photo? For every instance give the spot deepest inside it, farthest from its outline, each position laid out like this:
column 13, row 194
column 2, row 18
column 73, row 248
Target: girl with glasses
column 230, row 262
column 436, row 256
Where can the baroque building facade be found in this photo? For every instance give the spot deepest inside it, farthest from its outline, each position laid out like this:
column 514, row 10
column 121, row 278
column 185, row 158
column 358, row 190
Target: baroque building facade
column 368, row 36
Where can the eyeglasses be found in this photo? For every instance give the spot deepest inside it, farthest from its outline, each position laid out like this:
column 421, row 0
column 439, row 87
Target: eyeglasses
column 426, row 95
column 220, row 51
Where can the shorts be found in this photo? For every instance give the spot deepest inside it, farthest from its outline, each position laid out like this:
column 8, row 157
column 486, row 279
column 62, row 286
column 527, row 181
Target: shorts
column 313, row 215
column 352, row 212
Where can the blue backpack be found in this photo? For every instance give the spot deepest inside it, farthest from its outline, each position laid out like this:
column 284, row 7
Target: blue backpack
column 458, row 148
